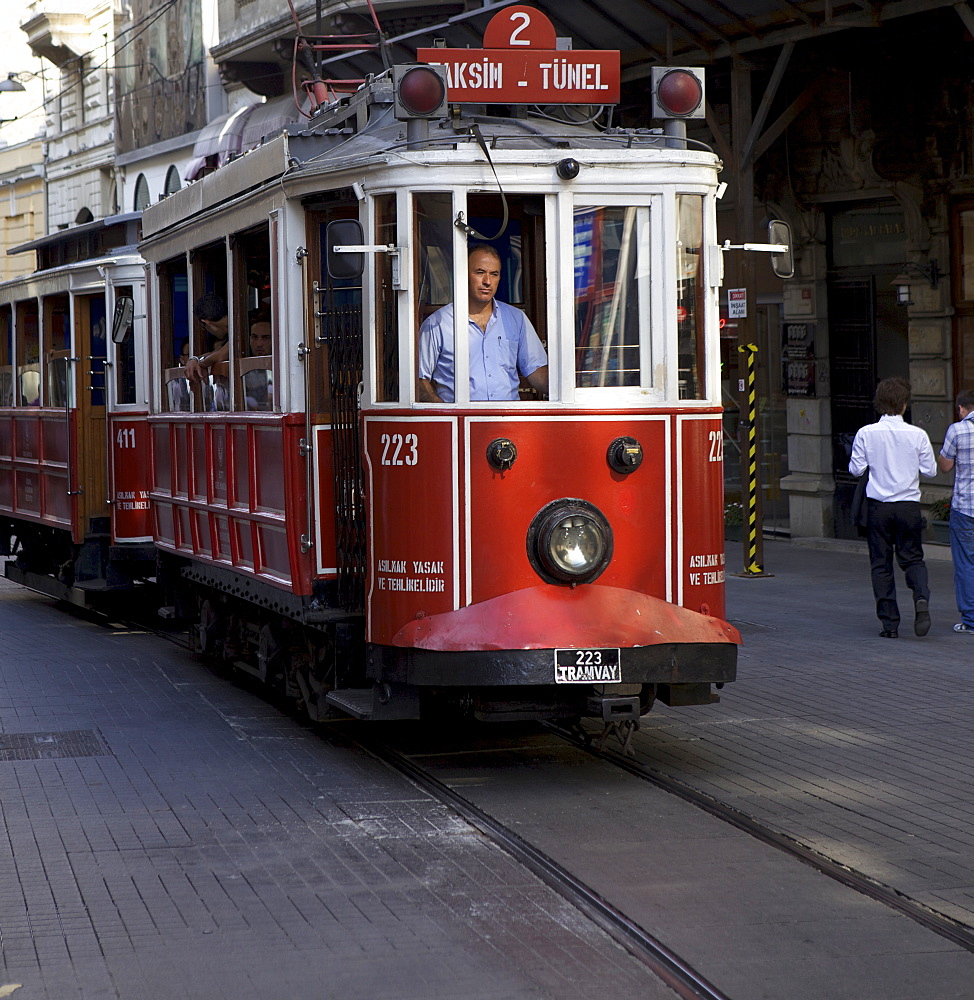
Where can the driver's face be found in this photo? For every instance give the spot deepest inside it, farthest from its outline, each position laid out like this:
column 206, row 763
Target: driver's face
column 484, row 271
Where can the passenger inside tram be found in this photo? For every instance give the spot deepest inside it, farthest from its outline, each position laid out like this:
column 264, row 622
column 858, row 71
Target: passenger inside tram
column 211, row 311
column 258, row 382
column 503, row 344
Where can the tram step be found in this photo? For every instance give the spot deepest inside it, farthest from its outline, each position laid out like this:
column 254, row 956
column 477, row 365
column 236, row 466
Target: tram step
column 356, row 702
column 44, row 584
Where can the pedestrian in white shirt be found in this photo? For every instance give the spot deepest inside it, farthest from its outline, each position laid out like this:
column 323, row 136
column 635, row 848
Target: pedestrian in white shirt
column 896, row 454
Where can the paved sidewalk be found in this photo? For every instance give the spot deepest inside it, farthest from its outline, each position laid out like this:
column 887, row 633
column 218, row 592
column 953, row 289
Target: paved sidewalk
column 167, row 836
column 860, row 747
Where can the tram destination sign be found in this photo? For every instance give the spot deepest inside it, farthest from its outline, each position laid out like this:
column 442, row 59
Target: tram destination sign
column 521, row 63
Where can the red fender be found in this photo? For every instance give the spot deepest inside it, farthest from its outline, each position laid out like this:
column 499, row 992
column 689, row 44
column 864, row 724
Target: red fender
column 587, row 617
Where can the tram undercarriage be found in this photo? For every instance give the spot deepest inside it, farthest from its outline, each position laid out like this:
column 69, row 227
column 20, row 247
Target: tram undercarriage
column 46, row 559
column 328, row 670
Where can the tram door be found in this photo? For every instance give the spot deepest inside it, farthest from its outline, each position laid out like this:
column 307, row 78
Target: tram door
column 90, row 347
column 334, row 372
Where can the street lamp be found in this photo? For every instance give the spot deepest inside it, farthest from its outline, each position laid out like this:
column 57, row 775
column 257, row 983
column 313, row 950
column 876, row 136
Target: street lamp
column 12, row 83
column 912, row 270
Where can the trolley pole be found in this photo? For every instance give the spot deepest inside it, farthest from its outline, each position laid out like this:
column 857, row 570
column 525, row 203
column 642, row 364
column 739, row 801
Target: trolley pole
column 754, row 541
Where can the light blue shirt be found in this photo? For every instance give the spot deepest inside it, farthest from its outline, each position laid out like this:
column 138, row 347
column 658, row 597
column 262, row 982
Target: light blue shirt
column 959, row 445
column 507, row 347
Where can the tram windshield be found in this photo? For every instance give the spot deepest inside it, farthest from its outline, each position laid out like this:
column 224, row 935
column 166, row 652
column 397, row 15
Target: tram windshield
column 502, row 296
column 611, row 297
column 689, row 295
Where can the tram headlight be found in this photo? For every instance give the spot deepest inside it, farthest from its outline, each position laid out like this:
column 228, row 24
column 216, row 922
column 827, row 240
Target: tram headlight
column 569, row 541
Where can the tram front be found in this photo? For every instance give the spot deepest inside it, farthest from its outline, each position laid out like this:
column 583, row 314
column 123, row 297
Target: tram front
column 541, row 423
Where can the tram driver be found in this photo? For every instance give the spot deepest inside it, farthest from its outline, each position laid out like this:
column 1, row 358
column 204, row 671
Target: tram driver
column 503, row 343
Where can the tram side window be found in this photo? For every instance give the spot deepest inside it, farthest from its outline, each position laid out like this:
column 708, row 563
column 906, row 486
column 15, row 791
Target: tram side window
column 6, row 357
column 57, row 348
column 28, row 354
column 95, row 316
column 174, row 340
column 611, row 296
column 387, row 312
column 125, row 387
column 253, row 320
column 211, row 331
column 689, row 295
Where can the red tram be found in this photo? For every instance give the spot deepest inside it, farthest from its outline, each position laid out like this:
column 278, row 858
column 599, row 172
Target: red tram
column 324, row 523
column 74, row 505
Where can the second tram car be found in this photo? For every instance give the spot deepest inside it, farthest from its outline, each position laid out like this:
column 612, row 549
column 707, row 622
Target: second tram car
column 74, row 504
column 339, row 533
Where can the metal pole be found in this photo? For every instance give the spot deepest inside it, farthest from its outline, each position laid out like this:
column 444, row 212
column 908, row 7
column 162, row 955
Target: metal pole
column 753, row 542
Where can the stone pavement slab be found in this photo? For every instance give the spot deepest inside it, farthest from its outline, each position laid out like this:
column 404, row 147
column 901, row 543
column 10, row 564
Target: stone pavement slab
column 165, row 835
column 859, row 747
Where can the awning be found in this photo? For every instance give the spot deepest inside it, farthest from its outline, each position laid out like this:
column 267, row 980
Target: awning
column 221, row 137
column 268, row 119
column 194, row 168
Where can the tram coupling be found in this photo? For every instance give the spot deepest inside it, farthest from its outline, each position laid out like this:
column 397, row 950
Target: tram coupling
column 614, row 708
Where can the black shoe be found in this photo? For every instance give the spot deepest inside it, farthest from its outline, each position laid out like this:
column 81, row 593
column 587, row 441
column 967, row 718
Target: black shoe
column 921, row 623
column 889, row 633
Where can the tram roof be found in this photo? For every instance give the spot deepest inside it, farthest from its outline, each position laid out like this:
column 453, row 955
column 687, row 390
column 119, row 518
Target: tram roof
column 361, row 130
column 73, row 232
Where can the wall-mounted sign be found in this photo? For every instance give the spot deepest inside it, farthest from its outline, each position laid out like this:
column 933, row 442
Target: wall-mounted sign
column 799, row 377
column 737, row 303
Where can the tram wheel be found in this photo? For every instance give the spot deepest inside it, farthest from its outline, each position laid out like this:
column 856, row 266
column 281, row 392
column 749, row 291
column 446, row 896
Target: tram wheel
column 209, row 630
column 313, row 669
column 647, row 698
column 271, row 654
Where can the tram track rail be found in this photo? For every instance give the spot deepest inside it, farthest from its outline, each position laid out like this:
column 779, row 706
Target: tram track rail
column 665, row 964
column 946, row 927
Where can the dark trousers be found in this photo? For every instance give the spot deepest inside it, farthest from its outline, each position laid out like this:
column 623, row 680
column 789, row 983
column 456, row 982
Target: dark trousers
column 895, row 527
